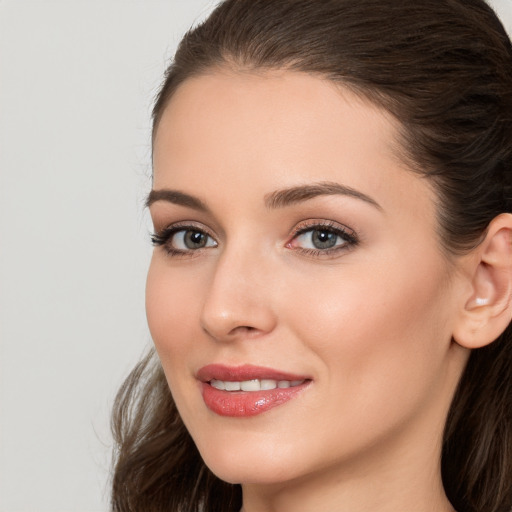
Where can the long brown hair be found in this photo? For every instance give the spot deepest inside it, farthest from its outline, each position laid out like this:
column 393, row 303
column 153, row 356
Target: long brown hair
column 443, row 68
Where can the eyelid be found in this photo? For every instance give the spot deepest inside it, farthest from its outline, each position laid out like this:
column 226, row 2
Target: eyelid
column 310, row 224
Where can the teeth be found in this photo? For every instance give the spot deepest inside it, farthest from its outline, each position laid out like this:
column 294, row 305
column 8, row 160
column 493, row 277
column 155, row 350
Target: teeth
column 254, row 384
column 268, row 384
column 218, row 384
column 250, row 385
column 232, row 386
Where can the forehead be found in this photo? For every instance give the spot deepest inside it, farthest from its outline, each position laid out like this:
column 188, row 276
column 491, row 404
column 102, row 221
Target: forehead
column 278, row 129
column 286, row 104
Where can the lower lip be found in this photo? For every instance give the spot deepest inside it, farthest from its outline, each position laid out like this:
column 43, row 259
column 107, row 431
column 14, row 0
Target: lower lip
column 247, row 403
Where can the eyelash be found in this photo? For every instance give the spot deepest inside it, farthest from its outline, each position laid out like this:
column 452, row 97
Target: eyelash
column 349, row 237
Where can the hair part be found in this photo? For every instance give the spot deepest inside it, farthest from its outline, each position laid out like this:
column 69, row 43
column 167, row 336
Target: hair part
column 446, row 76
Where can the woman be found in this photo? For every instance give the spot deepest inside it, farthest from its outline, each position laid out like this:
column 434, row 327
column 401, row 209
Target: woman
column 330, row 290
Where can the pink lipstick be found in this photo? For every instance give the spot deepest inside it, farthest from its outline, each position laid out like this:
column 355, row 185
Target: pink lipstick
column 242, row 391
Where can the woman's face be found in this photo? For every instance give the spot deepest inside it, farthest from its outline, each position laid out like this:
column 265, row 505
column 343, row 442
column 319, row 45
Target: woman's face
column 298, row 259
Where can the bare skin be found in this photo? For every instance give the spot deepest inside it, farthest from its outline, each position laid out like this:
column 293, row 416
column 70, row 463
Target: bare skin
column 368, row 316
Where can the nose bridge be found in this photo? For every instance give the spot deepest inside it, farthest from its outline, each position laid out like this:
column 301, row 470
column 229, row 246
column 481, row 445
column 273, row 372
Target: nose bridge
column 238, row 299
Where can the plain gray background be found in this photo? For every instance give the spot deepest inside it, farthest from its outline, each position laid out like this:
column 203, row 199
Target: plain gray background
column 77, row 78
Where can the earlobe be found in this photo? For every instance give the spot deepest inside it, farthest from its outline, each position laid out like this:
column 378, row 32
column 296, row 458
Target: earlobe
column 487, row 310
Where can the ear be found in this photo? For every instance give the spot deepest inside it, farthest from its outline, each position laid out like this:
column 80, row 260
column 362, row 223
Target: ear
column 487, row 305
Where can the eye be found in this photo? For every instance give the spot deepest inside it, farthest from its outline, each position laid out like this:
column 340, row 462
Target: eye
column 322, row 238
column 183, row 239
column 319, row 239
column 190, row 239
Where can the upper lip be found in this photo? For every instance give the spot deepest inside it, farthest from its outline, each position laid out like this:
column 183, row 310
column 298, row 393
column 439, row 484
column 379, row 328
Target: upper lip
column 243, row 373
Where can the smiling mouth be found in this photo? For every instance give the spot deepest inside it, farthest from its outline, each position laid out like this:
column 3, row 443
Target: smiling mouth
column 255, row 384
column 245, row 391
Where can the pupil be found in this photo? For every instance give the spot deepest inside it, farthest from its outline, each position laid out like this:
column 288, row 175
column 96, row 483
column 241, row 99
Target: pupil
column 324, row 239
column 195, row 239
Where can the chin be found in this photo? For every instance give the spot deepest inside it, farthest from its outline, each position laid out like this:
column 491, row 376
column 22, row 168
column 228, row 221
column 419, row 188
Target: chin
column 247, row 461
column 241, row 473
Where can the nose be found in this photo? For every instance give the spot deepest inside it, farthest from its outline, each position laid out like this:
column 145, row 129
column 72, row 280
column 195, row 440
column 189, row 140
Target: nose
column 238, row 302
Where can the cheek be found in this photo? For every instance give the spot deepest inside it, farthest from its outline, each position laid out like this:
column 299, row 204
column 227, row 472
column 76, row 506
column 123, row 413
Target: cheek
column 172, row 309
column 172, row 304
column 383, row 329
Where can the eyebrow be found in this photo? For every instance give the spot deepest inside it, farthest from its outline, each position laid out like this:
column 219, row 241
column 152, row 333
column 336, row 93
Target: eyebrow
column 289, row 196
column 176, row 197
column 274, row 200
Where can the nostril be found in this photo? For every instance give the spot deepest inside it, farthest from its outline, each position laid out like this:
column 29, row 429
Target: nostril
column 238, row 332
column 243, row 329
